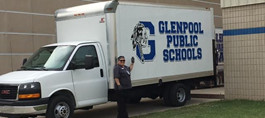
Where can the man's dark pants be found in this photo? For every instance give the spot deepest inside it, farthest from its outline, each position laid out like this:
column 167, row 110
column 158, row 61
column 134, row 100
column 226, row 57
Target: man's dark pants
column 121, row 102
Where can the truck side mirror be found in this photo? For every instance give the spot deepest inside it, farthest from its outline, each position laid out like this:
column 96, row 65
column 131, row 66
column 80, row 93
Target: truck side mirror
column 24, row 61
column 89, row 62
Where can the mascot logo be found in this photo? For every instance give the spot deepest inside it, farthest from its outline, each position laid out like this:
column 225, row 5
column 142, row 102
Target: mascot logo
column 140, row 41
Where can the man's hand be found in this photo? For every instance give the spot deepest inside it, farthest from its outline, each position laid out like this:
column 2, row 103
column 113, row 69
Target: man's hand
column 132, row 60
column 119, row 87
column 132, row 63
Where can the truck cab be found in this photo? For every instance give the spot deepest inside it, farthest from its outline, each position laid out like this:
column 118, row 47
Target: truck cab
column 64, row 74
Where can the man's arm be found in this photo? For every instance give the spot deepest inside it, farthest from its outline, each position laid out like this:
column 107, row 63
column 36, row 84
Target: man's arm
column 116, row 76
column 131, row 66
column 117, row 81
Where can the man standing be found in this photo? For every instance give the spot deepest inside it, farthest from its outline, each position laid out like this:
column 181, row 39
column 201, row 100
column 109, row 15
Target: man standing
column 122, row 77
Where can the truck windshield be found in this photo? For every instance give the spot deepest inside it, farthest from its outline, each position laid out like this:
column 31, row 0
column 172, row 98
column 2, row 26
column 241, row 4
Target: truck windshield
column 49, row 58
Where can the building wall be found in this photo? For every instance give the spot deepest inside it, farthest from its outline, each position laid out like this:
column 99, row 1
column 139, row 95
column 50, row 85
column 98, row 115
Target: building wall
column 244, row 51
column 26, row 25
column 232, row 3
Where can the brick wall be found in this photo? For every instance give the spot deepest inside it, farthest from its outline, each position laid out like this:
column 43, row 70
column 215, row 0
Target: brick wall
column 244, row 52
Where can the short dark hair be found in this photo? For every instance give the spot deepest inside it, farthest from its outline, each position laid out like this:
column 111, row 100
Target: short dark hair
column 120, row 57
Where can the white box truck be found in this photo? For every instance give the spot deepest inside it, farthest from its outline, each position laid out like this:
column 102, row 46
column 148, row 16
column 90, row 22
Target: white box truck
column 172, row 46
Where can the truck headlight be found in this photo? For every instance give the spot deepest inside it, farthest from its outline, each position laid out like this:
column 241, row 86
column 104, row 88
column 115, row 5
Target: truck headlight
column 29, row 91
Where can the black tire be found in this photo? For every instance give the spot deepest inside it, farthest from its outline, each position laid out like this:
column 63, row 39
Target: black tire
column 60, row 107
column 178, row 95
column 166, row 97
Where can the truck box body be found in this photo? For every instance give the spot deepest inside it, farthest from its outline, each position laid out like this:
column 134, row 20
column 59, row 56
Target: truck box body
column 178, row 40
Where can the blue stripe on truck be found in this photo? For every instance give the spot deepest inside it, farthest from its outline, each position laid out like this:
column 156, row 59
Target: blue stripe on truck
column 246, row 31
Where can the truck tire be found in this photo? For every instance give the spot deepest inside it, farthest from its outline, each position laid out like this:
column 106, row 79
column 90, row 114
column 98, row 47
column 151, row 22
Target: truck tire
column 178, row 95
column 60, row 107
column 166, row 97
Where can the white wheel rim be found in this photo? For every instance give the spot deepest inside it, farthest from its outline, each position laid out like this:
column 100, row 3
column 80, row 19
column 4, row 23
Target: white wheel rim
column 181, row 95
column 62, row 110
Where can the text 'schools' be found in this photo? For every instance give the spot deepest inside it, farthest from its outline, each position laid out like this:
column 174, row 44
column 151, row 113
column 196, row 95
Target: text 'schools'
column 182, row 40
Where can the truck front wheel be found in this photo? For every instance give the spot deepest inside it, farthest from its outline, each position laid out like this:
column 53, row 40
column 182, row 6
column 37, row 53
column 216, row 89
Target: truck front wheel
column 60, row 107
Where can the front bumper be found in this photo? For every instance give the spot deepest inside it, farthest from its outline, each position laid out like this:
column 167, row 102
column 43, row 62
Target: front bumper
column 21, row 110
column 29, row 107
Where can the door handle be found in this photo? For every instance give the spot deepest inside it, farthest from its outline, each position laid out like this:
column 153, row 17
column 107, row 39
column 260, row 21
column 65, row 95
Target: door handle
column 101, row 73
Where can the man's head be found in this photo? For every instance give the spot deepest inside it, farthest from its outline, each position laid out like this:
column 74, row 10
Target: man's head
column 121, row 60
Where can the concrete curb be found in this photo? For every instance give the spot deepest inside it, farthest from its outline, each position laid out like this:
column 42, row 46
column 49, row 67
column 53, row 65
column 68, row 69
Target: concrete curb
column 209, row 96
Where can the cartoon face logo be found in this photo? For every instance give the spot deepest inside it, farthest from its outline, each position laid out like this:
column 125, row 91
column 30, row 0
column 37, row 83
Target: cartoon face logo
column 140, row 40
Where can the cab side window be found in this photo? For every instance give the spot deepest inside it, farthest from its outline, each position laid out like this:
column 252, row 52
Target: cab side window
column 79, row 57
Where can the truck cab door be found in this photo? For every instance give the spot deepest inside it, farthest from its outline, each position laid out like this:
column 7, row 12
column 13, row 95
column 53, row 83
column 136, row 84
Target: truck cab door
column 90, row 84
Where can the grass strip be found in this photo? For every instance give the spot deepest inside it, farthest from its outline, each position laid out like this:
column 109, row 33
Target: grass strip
column 218, row 109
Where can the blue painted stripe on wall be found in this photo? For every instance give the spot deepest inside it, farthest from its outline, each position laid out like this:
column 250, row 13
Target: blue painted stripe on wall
column 247, row 31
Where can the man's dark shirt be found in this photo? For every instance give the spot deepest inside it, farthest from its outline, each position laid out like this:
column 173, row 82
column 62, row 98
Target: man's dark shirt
column 124, row 75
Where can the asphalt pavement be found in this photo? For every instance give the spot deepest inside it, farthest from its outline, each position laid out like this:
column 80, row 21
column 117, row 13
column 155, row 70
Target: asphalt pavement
column 146, row 106
column 109, row 110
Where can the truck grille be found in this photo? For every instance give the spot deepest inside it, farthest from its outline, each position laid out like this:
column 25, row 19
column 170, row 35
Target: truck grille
column 8, row 91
